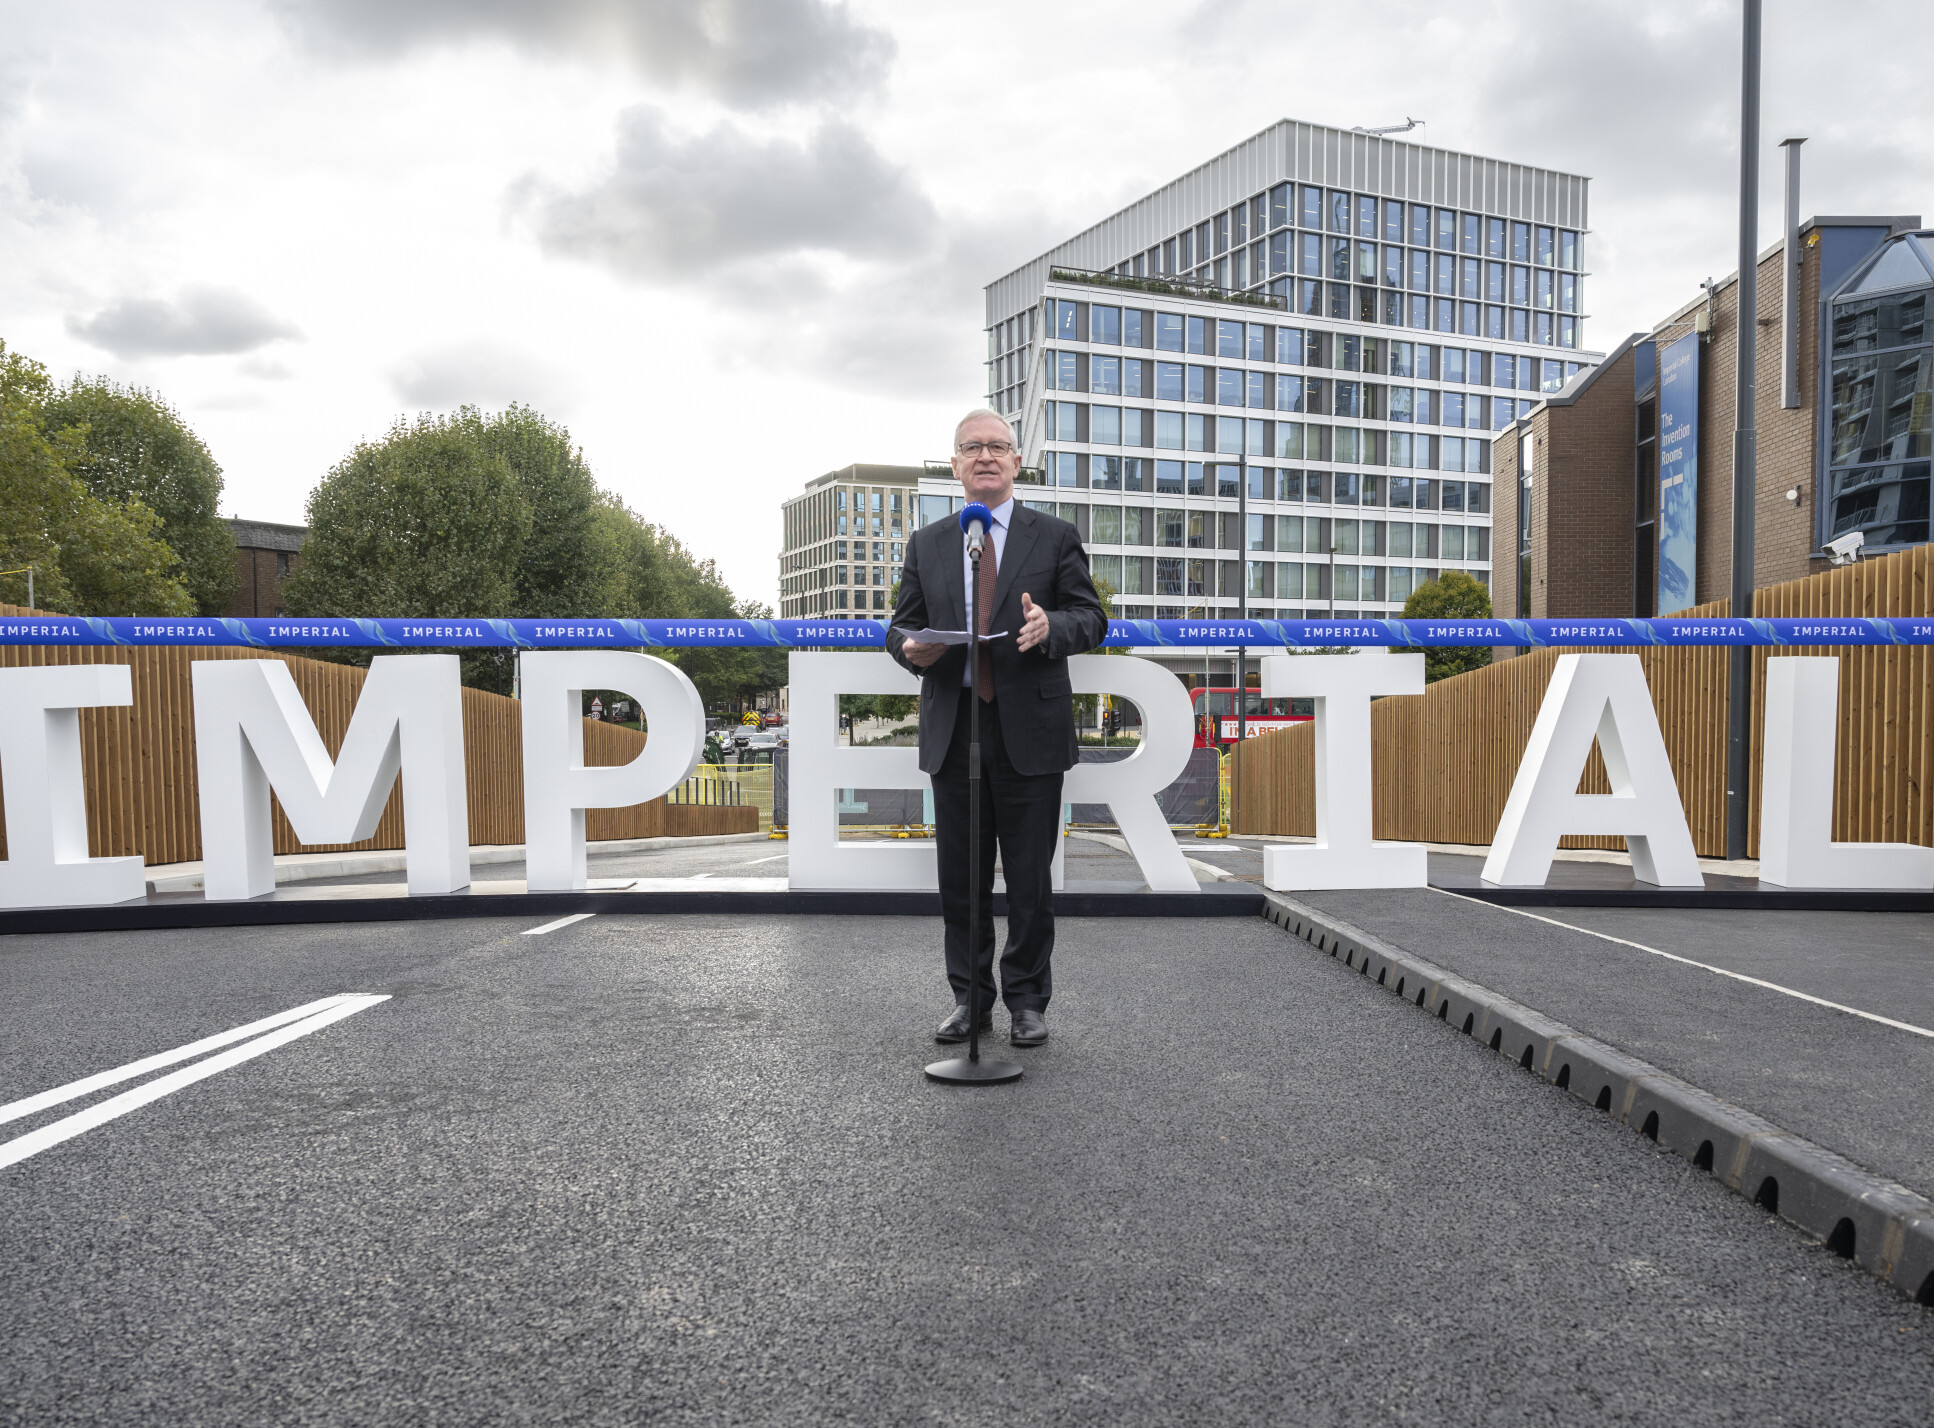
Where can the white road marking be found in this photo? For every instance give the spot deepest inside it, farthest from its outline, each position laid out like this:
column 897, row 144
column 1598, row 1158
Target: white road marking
column 1705, row 966
column 756, row 861
column 86, row 1086
column 561, row 922
column 18, row 1149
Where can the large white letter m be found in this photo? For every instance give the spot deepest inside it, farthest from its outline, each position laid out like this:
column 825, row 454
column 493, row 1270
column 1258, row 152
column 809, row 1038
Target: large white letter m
column 253, row 733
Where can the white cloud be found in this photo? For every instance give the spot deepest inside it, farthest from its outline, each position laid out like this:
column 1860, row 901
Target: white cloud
column 265, row 369
column 674, row 207
column 200, row 322
column 480, row 373
column 750, row 54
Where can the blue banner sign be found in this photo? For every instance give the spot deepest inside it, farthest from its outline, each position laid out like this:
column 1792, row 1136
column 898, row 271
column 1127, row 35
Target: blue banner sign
column 1678, row 474
column 287, row 634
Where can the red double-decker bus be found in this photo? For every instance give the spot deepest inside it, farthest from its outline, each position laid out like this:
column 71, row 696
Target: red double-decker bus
column 1216, row 724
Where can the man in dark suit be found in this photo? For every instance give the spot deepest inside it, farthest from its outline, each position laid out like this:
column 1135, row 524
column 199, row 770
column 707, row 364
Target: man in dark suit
column 1034, row 575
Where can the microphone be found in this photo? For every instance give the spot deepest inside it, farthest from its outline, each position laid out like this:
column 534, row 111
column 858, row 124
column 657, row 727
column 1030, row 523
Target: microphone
column 976, row 520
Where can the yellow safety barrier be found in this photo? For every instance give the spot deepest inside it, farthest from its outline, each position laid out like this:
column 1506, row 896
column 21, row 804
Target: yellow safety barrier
column 730, row 786
column 1220, row 829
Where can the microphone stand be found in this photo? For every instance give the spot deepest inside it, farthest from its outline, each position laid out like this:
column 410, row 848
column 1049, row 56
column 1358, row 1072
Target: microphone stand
column 970, row 1070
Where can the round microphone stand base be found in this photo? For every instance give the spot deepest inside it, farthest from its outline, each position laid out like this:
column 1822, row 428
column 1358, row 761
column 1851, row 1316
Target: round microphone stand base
column 963, row 1072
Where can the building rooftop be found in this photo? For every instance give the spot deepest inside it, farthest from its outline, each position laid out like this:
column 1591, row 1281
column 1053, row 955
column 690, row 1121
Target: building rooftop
column 267, row 535
column 862, row 473
column 1305, row 153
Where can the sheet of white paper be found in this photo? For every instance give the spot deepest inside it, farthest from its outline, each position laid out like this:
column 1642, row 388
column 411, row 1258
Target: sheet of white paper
column 949, row 637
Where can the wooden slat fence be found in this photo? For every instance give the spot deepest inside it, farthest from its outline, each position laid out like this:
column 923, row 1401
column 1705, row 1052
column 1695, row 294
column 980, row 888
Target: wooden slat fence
column 139, row 761
column 1443, row 762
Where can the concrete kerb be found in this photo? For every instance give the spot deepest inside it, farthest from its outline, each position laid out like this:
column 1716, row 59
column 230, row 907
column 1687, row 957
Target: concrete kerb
column 1882, row 1226
column 311, row 867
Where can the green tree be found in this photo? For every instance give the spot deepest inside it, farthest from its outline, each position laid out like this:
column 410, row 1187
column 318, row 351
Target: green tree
column 91, row 556
column 657, row 578
column 425, row 523
column 1453, row 595
column 135, row 448
column 568, row 563
column 893, row 707
column 498, row 516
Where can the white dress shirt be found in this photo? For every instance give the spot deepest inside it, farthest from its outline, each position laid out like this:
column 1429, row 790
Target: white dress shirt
column 1002, row 514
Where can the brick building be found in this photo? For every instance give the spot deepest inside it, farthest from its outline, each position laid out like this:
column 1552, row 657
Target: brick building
column 1577, row 522
column 265, row 555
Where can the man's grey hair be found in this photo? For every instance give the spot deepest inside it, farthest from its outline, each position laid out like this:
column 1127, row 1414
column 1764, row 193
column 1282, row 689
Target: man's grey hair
column 975, row 415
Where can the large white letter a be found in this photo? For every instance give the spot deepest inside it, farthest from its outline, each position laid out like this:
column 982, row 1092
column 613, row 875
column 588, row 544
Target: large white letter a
column 1602, row 696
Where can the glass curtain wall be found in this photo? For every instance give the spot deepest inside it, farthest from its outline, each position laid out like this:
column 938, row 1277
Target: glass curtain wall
column 1883, row 358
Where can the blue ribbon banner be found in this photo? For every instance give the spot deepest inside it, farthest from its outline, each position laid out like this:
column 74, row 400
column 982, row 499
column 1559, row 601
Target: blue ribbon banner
column 288, row 634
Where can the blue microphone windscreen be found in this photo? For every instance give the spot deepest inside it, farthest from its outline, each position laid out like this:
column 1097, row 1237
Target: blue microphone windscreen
column 975, row 511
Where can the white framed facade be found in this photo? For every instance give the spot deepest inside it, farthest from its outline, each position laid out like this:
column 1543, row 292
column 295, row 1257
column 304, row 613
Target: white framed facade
column 1282, row 373
column 843, row 540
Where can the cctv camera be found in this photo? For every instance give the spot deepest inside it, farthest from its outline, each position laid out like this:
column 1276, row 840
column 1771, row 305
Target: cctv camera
column 1845, row 549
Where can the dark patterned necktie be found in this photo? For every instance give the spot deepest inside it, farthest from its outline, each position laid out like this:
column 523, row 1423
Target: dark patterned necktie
column 983, row 617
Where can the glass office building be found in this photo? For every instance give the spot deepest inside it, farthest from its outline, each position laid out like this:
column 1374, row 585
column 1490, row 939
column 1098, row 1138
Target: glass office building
column 1280, row 374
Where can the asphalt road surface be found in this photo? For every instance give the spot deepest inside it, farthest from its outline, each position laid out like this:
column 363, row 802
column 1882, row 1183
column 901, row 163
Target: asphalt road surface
column 686, row 1170
column 1853, row 1085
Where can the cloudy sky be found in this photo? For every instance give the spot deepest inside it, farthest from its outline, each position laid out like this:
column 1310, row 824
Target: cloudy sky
column 733, row 244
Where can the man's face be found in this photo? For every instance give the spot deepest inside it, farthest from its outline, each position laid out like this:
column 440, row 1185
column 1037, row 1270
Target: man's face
column 983, row 475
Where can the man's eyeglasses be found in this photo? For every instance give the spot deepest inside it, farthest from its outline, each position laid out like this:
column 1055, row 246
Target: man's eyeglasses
column 992, row 448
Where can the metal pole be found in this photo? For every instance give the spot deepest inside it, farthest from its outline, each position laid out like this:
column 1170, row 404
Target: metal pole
column 1745, row 475
column 973, row 822
column 1242, row 612
column 1242, row 595
column 1790, row 286
column 30, row 587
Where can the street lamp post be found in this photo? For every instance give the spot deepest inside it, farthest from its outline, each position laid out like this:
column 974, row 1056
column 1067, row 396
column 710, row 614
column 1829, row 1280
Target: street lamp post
column 1242, row 591
column 1745, row 474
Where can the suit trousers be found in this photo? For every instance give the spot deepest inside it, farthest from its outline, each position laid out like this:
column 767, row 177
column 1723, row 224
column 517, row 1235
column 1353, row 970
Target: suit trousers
column 1023, row 813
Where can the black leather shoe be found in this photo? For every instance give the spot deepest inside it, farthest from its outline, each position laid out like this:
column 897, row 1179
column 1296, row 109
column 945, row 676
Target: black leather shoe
column 1030, row 1028
column 954, row 1028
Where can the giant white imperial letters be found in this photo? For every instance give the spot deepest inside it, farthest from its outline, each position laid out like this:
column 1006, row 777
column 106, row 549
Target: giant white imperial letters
column 1132, row 787
column 253, row 733
column 558, row 787
column 1796, row 791
column 1600, row 696
column 819, row 765
column 40, row 764
column 1345, row 855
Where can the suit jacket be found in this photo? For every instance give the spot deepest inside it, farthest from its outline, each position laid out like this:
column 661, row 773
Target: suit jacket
column 1044, row 560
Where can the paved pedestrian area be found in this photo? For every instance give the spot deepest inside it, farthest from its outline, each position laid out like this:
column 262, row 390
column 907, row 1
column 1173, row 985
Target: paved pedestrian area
column 686, row 1170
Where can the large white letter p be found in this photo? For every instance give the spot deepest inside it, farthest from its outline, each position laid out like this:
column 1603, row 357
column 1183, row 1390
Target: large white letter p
column 558, row 787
